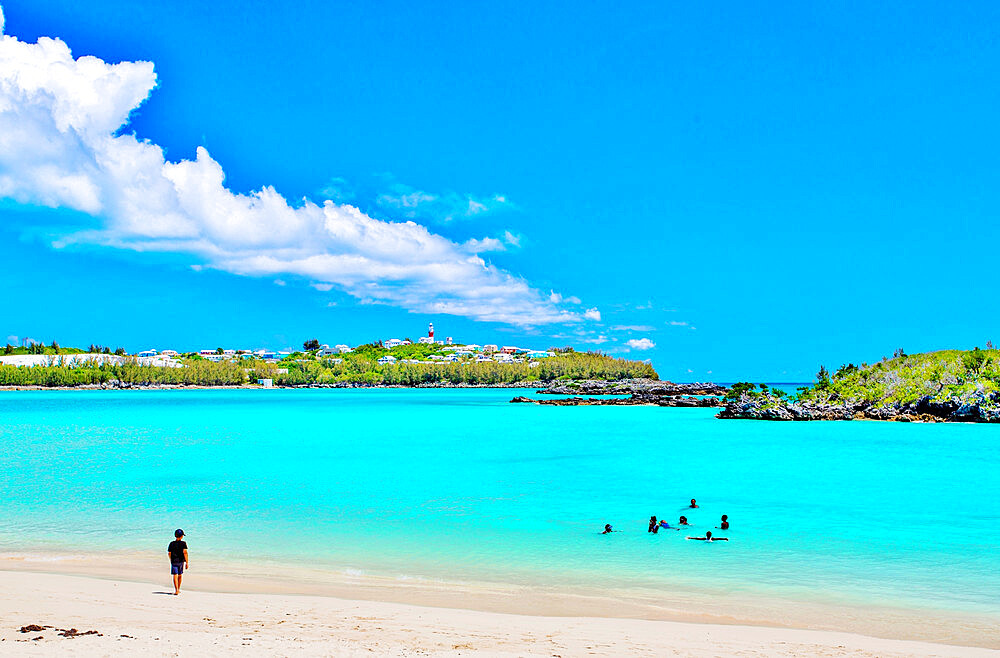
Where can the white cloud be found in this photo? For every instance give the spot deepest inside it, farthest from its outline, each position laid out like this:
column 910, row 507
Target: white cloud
column 675, row 323
column 60, row 147
column 412, row 203
column 640, row 344
column 338, row 189
column 322, row 287
column 592, row 314
column 511, row 239
column 632, row 327
column 574, row 300
column 279, row 282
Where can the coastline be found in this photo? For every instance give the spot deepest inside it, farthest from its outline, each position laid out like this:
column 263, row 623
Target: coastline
column 675, row 606
column 135, row 616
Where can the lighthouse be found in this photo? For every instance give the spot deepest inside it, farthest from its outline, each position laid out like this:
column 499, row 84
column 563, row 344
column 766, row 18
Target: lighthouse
column 430, row 331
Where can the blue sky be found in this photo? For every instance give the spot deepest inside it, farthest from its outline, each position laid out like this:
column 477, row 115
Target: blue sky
column 752, row 190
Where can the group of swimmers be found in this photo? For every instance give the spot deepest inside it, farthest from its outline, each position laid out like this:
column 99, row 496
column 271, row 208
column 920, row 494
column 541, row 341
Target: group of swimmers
column 654, row 525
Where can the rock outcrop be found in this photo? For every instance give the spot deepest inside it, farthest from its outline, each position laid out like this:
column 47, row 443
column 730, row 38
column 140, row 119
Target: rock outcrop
column 634, row 400
column 976, row 407
column 633, row 387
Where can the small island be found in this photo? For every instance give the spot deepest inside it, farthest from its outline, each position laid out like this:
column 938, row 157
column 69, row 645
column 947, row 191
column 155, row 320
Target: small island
column 942, row 386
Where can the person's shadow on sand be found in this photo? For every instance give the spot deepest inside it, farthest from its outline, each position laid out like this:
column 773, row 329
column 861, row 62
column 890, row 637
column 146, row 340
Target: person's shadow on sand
column 167, row 593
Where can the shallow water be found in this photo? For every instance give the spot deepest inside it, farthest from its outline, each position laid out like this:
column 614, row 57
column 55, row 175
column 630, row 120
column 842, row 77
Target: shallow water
column 458, row 484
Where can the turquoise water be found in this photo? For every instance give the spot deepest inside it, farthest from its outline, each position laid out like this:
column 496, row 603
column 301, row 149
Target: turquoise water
column 461, row 485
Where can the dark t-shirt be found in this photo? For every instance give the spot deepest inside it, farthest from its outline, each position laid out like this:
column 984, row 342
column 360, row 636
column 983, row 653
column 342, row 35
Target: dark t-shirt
column 177, row 548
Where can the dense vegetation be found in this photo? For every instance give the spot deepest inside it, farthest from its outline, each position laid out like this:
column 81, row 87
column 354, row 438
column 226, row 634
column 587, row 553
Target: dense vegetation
column 943, row 375
column 202, row 373
column 358, row 367
column 951, row 385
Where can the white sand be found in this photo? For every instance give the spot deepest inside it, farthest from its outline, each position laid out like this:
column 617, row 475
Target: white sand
column 206, row 623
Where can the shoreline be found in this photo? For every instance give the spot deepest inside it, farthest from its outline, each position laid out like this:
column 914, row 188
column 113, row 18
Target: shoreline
column 135, row 616
column 674, row 606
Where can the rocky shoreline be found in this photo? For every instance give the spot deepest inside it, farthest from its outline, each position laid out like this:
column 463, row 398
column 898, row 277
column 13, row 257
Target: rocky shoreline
column 974, row 408
column 635, row 400
column 649, row 387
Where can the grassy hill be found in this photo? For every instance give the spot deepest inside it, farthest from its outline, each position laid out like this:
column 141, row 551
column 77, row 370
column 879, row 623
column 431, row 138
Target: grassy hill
column 953, row 385
column 904, row 379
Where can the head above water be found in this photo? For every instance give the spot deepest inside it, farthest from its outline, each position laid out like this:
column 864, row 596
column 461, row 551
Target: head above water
column 178, row 533
column 694, row 503
column 684, row 519
column 708, row 534
column 725, row 517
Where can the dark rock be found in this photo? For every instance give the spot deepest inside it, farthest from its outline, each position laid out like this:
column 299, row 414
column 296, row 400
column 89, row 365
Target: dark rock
column 635, row 400
column 632, row 387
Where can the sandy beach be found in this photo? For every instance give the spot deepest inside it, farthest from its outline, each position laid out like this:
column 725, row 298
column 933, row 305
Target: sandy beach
column 140, row 617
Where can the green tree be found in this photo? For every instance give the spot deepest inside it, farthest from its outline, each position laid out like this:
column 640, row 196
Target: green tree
column 310, row 345
column 822, row 377
column 55, row 347
column 219, row 350
column 974, row 361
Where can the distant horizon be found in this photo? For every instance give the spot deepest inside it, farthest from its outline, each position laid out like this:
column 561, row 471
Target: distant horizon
column 724, row 192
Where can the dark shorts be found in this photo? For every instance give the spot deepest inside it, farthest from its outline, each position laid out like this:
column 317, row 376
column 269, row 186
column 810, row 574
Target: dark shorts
column 176, row 568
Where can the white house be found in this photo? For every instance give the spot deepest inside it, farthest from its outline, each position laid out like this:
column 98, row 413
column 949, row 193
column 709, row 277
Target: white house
column 266, row 383
column 489, row 349
column 343, row 349
column 387, row 359
column 147, row 353
column 168, row 353
column 392, row 342
column 426, row 340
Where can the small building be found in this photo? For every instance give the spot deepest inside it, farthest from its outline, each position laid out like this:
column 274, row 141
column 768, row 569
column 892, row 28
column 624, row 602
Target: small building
column 170, row 353
column 266, row 383
column 147, row 353
column 489, row 349
column 536, row 354
column 392, row 342
column 508, row 349
column 281, row 371
column 388, row 359
column 343, row 349
column 426, row 340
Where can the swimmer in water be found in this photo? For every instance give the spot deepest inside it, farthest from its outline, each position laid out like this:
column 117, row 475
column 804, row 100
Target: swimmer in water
column 725, row 522
column 666, row 526
column 607, row 529
column 654, row 526
column 708, row 537
column 694, row 504
column 683, row 521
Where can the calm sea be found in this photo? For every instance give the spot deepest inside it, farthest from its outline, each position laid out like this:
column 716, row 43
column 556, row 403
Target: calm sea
column 460, row 485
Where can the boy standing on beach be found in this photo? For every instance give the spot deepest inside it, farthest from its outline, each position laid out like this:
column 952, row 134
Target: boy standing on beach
column 178, row 552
